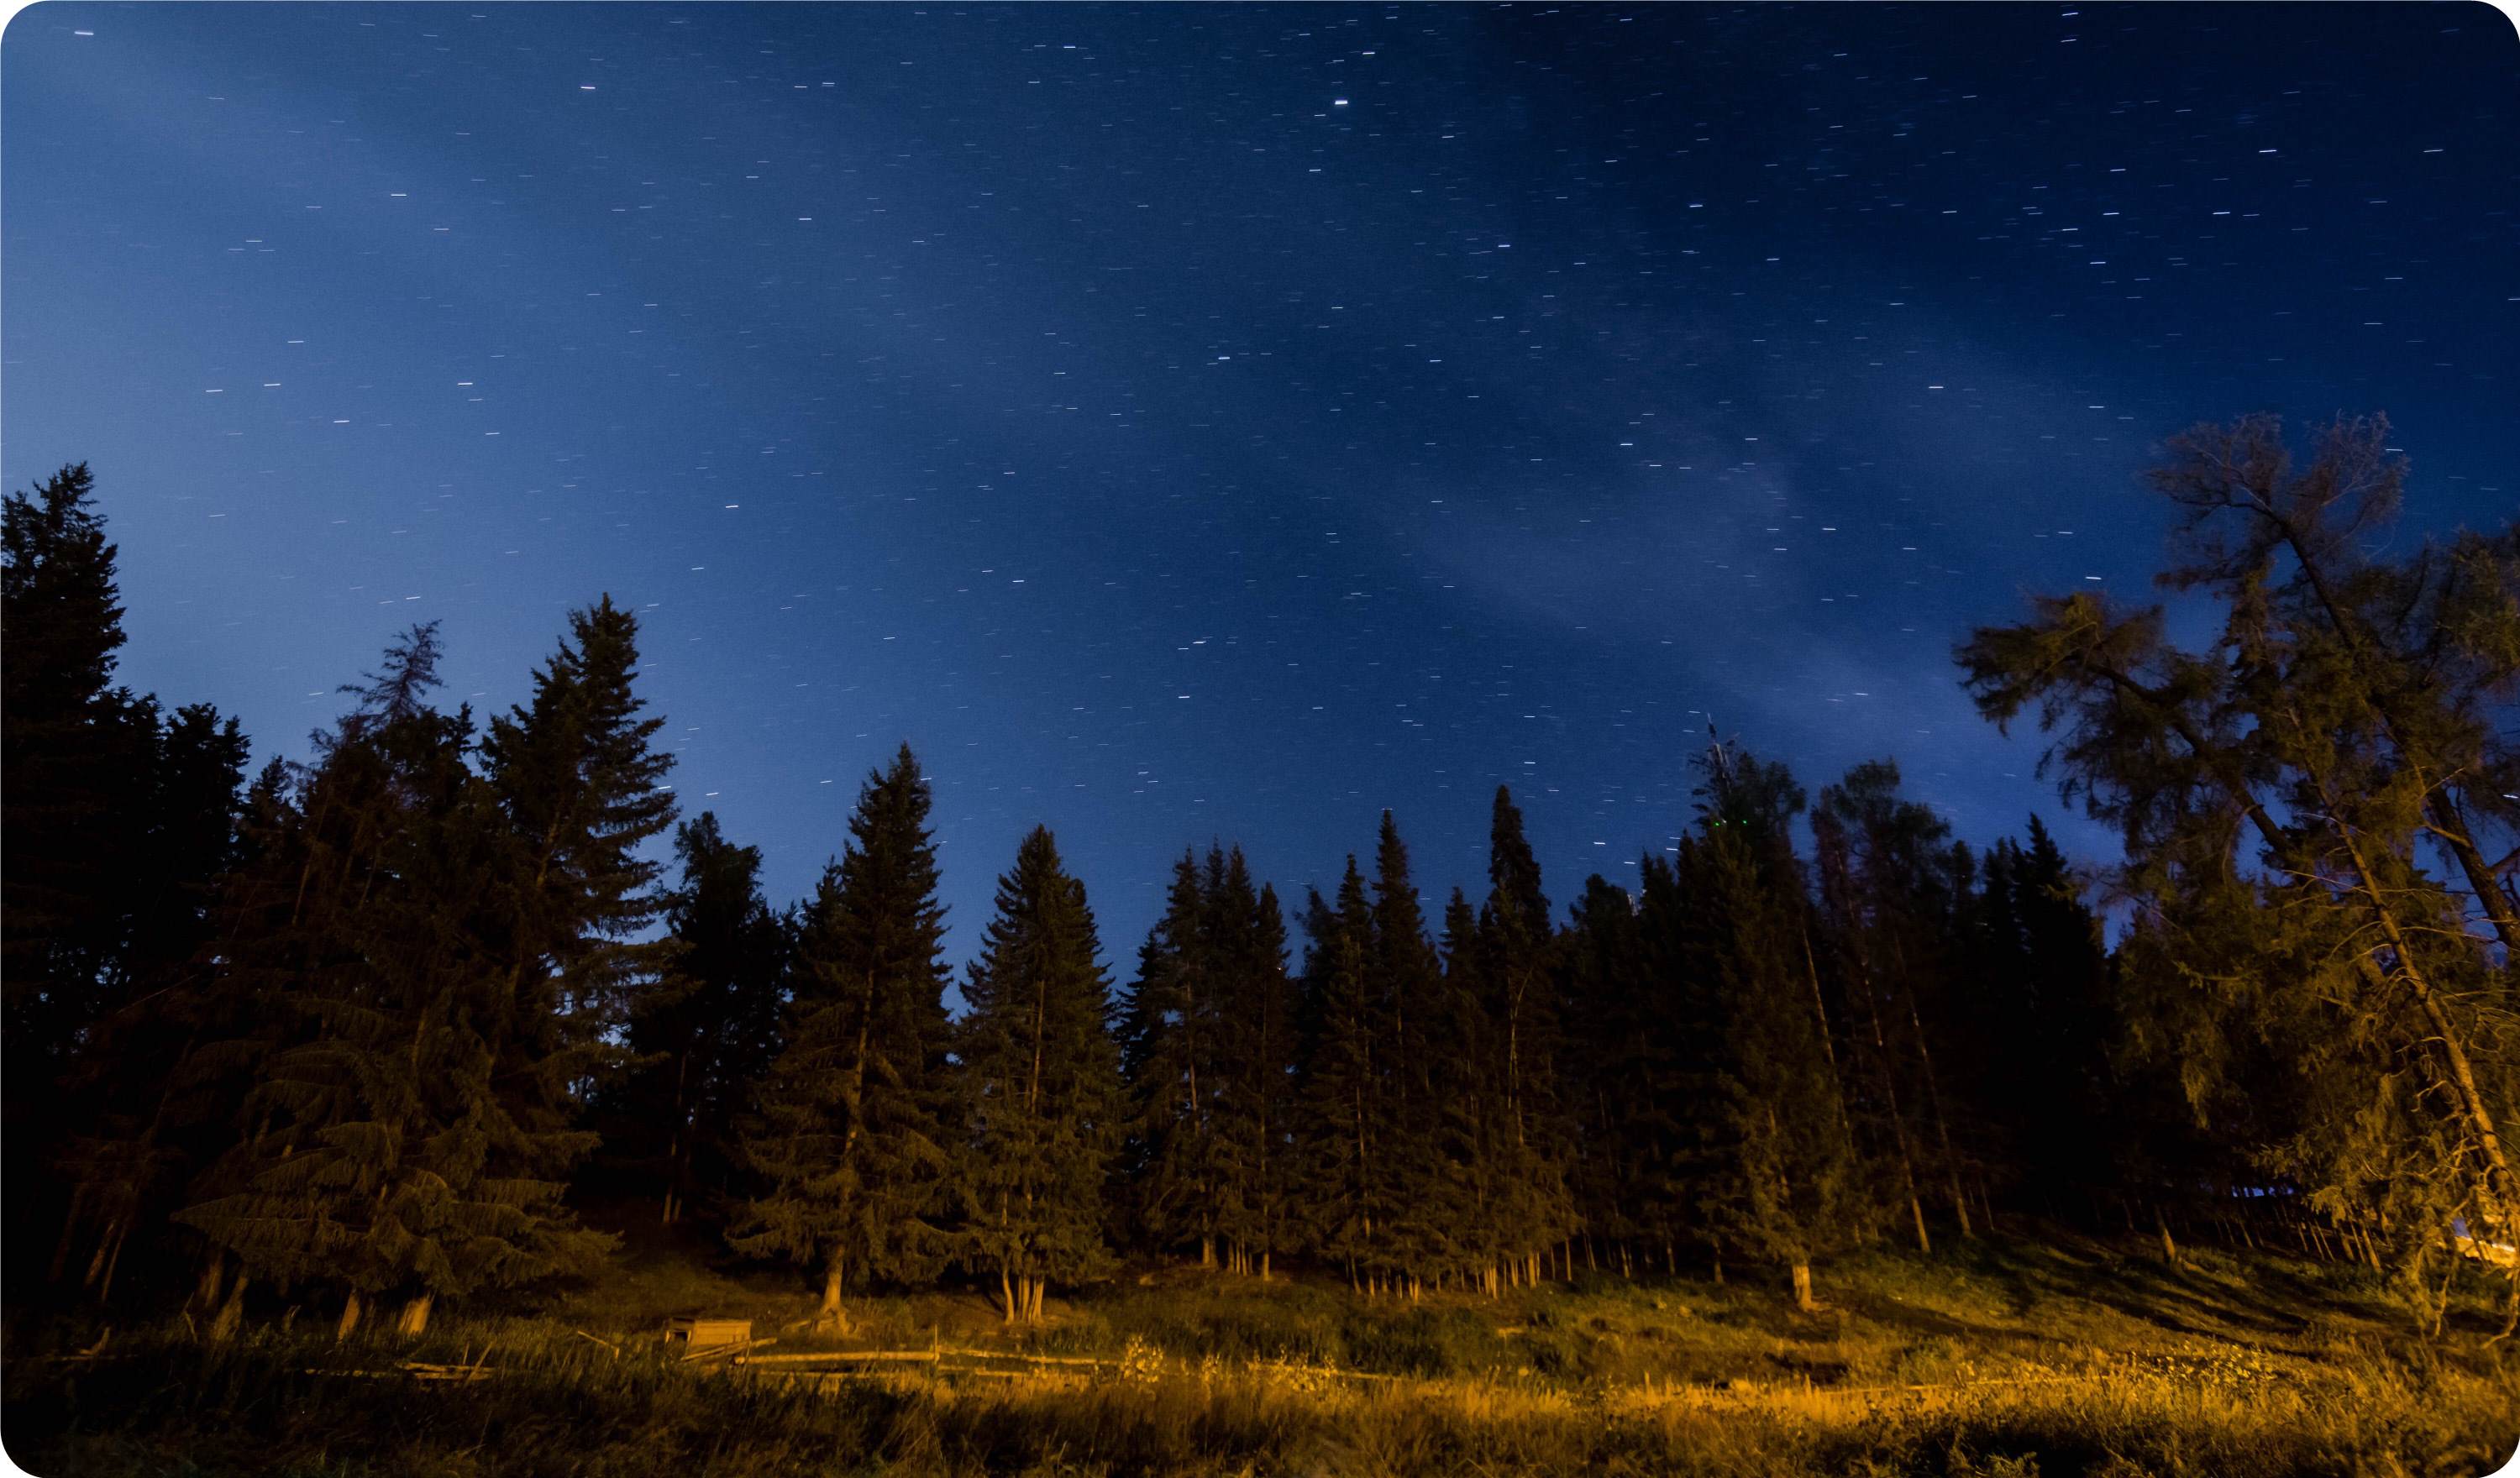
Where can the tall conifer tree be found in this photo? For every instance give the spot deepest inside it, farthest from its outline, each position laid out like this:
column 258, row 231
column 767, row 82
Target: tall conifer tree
column 1404, row 980
column 1786, row 1186
column 1254, row 1113
column 2303, row 807
column 582, row 786
column 705, row 1032
column 1172, row 1052
column 383, row 1150
column 855, row 1135
column 1520, row 952
column 1041, row 1087
column 1339, row 1118
column 1898, row 889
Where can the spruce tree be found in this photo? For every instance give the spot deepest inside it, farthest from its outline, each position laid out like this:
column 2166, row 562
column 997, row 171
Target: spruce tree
column 1610, row 1075
column 2030, row 1022
column 1171, row 1052
column 1258, row 1013
column 1786, row 1188
column 1207, row 1045
column 76, row 757
column 1471, row 1191
column 1404, row 981
column 1041, row 1087
column 704, row 1034
column 118, row 820
column 583, row 790
column 381, row 1150
column 67, row 745
column 1520, row 947
column 855, row 1134
column 1675, row 1052
column 1898, row 891
column 130, row 1123
column 1339, row 1107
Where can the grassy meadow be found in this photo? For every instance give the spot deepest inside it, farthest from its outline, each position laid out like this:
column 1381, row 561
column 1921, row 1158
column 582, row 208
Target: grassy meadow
column 2053, row 1355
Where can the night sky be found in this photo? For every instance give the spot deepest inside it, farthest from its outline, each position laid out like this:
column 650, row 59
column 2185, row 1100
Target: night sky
column 1223, row 422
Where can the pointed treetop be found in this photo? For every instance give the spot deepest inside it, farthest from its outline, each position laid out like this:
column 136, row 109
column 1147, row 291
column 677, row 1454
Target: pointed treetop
column 1513, row 873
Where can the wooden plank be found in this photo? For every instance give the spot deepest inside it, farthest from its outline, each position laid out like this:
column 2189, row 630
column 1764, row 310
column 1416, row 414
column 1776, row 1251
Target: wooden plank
column 808, row 1357
column 720, row 1352
column 1038, row 1360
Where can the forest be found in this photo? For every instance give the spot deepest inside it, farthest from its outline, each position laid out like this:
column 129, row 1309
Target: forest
column 428, row 1020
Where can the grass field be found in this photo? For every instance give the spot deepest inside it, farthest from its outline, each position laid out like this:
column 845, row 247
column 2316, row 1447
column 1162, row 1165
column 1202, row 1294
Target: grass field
column 2052, row 1356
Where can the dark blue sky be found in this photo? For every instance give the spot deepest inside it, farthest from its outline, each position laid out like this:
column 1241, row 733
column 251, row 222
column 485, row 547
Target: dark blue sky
column 1222, row 422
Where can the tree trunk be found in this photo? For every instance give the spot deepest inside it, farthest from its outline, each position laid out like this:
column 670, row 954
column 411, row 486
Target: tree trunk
column 1803, row 1299
column 1005, row 1296
column 95, row 1260
column 415, row 1316
column 2169, row 1249
column 1890, row 1101
column 2450, row 824
column 232, row 1312
column 114, row 1259
column 1933, row 1090
column 349, row 1323
column 206, row 1294
column 829, row 1312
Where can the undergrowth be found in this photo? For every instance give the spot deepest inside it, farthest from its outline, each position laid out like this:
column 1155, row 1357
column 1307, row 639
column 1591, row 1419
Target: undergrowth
column 2046, row 1359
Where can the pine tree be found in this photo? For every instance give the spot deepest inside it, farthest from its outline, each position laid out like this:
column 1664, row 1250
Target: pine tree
column 1404, row 981
column 131, row 1124
column 118, row 819
column 1612, row 1073
column 705, row 1032
column 855, row 1135
column 1171, row 1053
column 381, row 1150
column 1471, row 1192
column 1520, row 947
column 1258, row 1012
column 1787, row 1188
column 2030, row 1022
column 582, row 786
column 1675, row 1052
column 75, row 754
column 1897, row 889
column 1041, row 1087
column 1339, row 1107
column 67, row 745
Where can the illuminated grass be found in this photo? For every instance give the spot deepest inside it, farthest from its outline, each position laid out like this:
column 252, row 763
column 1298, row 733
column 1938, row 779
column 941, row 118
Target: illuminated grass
column 2005, row 1359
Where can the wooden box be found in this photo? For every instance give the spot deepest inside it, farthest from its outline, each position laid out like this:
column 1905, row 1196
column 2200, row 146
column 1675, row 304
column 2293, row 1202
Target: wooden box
column 708, row 1333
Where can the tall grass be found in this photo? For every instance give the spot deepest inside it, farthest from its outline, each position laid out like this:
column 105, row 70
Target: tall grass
column 269, row 1405
column 2028, row 1360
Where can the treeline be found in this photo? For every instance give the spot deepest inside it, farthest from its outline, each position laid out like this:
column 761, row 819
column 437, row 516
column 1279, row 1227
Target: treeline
column 362, row 1032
